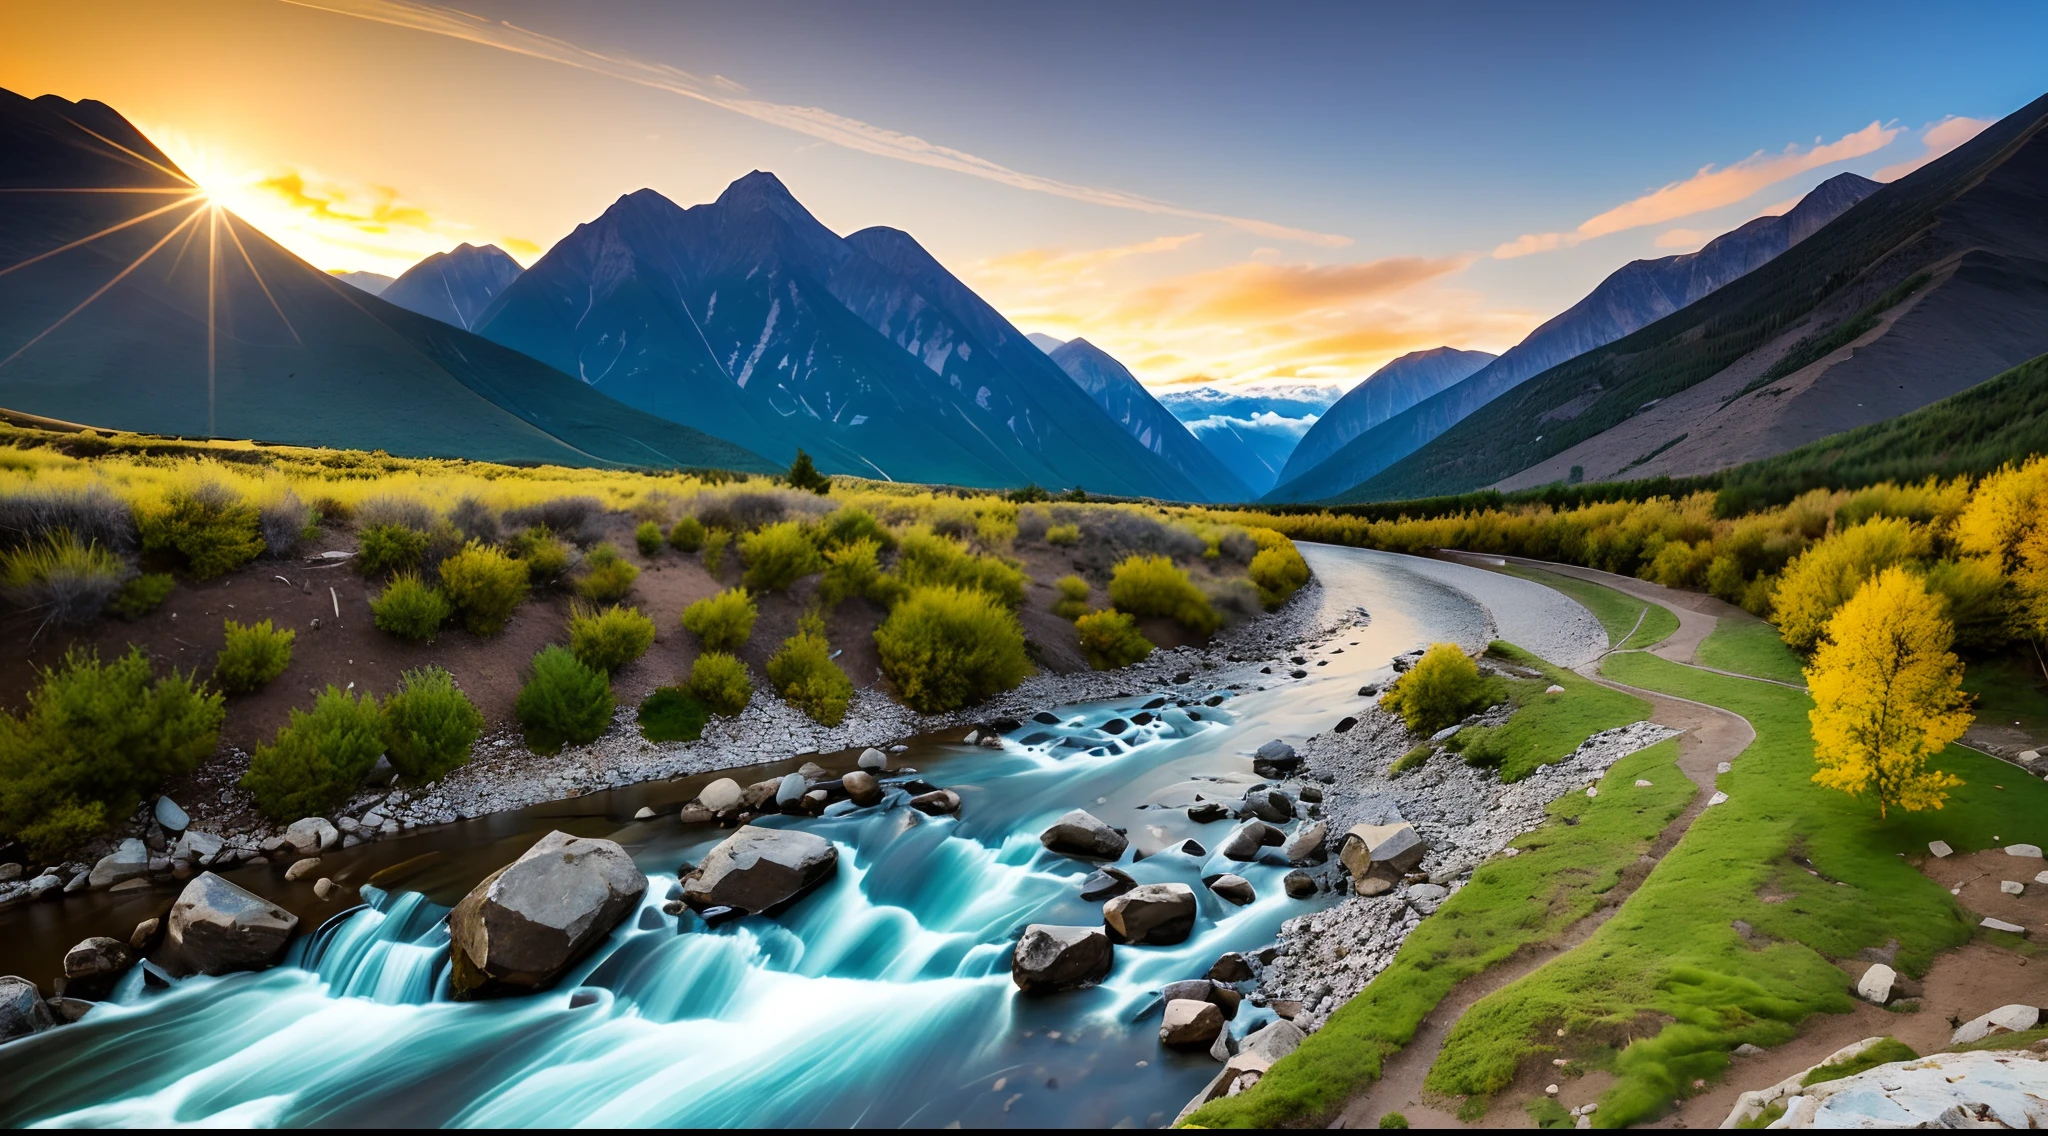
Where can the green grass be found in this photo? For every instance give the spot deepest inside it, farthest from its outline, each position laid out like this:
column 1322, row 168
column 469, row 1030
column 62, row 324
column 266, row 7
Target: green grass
column 1510, row 903
column 1671, row 980
column 1617, row 611
column 1545, row 727
column 1752, row 649
column 1411, row 759
column 1765, row 1118
column 672, row 714
column 2008, row 692
column 1883, row 1053
column 1545, row 1112
column 2020, row 1040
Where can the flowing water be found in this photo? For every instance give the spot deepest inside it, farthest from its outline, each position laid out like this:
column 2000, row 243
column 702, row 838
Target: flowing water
column 881, row 999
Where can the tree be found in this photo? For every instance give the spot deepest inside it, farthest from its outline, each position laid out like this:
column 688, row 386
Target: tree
column 803, row 474
column 1887, row 695
column 1820, row 580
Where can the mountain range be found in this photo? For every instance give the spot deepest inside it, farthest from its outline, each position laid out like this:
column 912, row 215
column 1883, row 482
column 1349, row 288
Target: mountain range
column 1250, row 429
column 1384, row 394
column 1126, row 400
column 455, row 286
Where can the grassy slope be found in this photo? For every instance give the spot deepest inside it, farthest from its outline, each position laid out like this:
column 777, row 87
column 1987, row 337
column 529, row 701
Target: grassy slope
column 1548, row 727
column 2008, row 692
column 1616, row 611
column 1751, row 649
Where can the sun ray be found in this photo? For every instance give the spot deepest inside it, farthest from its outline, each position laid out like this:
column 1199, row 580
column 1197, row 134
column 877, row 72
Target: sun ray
column 253, row 271
column 108, row 231
column 183, row 248
column 118, row 277
column 153, row 163
column 89, row 189
column 212, row 274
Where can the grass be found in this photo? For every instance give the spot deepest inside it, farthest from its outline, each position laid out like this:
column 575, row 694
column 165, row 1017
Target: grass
column 1751, row 649
column 2008, row 692
column 1617, row 612
column 1883, row 1053
column 1545, row 727
column 1672, row 982
column 673, row 714
column 2021, row 1040
column 1510, row 903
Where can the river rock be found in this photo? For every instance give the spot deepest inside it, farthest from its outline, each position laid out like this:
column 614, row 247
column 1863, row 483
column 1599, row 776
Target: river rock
column 1254, row 1056
column 197, row 847
column 1106, row 883
column 1207, row 812
column 761, row 794
column 1248, row 839
column 169, row 815
column 2030, row 851
column 1050, row 958
column 1230, row 966
column 1270, row 805
column 216, row 927
column 311, row 836
column 814, row 801
column 22, row 1011
column 723, row 797
column 756, row 869
column 528, row 921
column 91, row 967
column 128, row 862
column 862, row 788
column 1189, row 1024
column 1081, row 833
column 68, row 1010
column 2005, row 1019
column 1306, row 845
column 1160, row 914
column 1426, row 898
column 300, row 869
column 1299, row 884
column 144, row 931
column 1235, row 889
column 1274, row 759
column 1939, row 848
column 2012, row 887
column 1876, row 984
column 874, row 760
column 938, row 802
column 790, row 790
column 1394, row 847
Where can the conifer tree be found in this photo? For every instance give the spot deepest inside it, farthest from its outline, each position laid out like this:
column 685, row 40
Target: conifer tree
column 803, row 474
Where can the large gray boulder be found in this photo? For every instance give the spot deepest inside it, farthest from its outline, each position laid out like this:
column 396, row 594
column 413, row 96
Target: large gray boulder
column 757, row 868
column 1270, row 805
column 91, row 967
column 216, row 927
column 170, row 815
column 527, row 922
column 22, row 1011
column 1081, row 833
column 1306, row 845
column 1189, row 1024
column 1050, row 958
column 310, row 836
column 2014, row 1018
column 1390, row 847
column 1247, row 840
column 128, row 862
column 1152, row 913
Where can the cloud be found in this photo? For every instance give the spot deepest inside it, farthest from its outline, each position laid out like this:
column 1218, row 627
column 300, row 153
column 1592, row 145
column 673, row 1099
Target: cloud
column 1938, row 139
column 1257, row 290
column 1031, row 262
column 374, row 212
column 816, row 122
column 1708, row 189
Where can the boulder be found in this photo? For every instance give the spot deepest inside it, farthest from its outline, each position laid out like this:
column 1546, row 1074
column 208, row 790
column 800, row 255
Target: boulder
column 813, row 772
column 216, row 927
column 1106, row 883
column 300, row 869
column 2005, row 1019
column 22, row 1011
column 1189, row 1024
column 1306, row 845
column 1235, row 889
column 1230, row 967
column 1050, row 958
column 760, row 795
column 756, row 869
column 1206, row 812
column 790, row 790
column 862, row 788
column 128, row 862
column 1254, row 1056
column 1299, row 884
column 1395, row 847
column 938, row 802
column 311, row 836
column 1312, row 793
column 2030, row 851
column 69, row 1010
column 873, row 760
column 1939, row 848
column 815, row 801
column 196, row 846
column 1081, row 833
column 2012, row 887
column 1990, row 924
column 169, row 815
column 1246, row 840
column 1270, row 805
column 722, row 797
column 143, row 933
column 1876, row 984
column 1426, row 898
column 528, row 921
column 1275, row 758
column 1152, row 913
column 91, row 967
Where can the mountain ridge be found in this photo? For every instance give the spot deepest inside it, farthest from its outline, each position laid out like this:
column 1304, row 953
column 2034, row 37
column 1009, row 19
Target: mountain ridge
column 455, row 287
column 1388, row 391
column 1125, row 400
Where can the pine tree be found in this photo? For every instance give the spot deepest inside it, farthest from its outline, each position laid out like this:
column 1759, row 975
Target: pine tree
column 803, row 474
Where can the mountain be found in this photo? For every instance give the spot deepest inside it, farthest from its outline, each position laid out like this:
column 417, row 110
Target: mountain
column 1384, row 393
column 1126, row 400
column 747, row 318
column 455, row 286
column 1045, row 343
column 107, row 317
column 1251, row 430
column 1931, row 285
column 372, row 282
column 1634, row 296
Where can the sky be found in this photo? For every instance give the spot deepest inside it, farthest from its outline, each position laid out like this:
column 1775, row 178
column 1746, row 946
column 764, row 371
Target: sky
column 1244, row 194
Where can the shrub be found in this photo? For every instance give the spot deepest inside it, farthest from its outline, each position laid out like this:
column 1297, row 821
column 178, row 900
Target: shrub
column 283, row 520
column 721, row 682
column 475, row 520
column 332, row 510
column 389, row 548
column 945, row 647
column 752, row 509
column 607, row 578
column 142, row 594
column 1278, row 573
column 851, row 569
column 93, row 739
column 1411, row 759
column 778, row 556
column 397, row 512
column 850, row 523
column 319, row 758
column 1155, row 585
column 1073, row 601
column 927, row 559
column 1065, row 536
column 609, row 639
column 1110, row 639
column 67, row 581
column 803, row 673
column 1438, row 691
column 93, row 515
column 575, row 517
column 208, row 529
column 672, row 714
column 648, row 537
column 1032, row 523
column 545, row 557
column 724, row 621
column 252, row 656
column 715, row 541
column 411, row 608
column 687, row 535
column 430, row 727
column 563, row 702
column 1393, row 1120
column 485, row 585
column 803, row 474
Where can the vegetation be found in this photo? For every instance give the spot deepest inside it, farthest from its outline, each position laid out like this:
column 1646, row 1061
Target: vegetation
column 1413, row 759
column 319, row 758
column 1883, row 1053
column 946, row 647
column 1063, row 536
column 687, row 535
column 1278, row 570
column 851, row 569
column 1110, row 639
column 430, row 727
column 925, row 559
column 563, row 702
column 485, row 586
column 68, row 582
column 381, row 549
column 607, row 578
column 609, row 639
column 545, row 557
column 849, row 524
column 1750, row 649
column 1155, row 585
column 673, row 714
column 142, row 594
column 1544, row 727
column 1073, row 601
column 252, row 656
column 803, row 673
column 720, row 681
column 714, row 550
column 723, row 622
column 803, row 474
column 1438, row 691
column 647, row 537
column 205, row 528
column 777, row 556
column 1822, row 578
column 411, row 608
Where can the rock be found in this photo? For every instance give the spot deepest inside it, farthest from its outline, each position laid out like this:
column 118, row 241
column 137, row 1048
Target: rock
column 325, row 888
column 10, row 872
column 1370, row 886
column 1270, row 805
column 813, row 772
column 1394, row 847
column 1994, row 1089
column 2031, row 851
column 129, row 861
column 873, row 760
column 22, row 1011
column 790, row 790
column 197, row 846
column 1050, row 958
column 1207, row 812
column 1642, row 784
column 216, row 927
column 1277, row 754
column 1081, row 833
column 1345, row 724
column 1299, row 885
column 300, row 869
column 69, row 1010
column 1725, row 767
column 756, row 869
column 1306, row 845
column 2030, row 756
column 1445, row 734
column 1235, row 889
column 144, row 931
column 939, row 802
column 1313, row 794
column 91, row 967
column 814, row 801
column 692, row 813
column 2041, row 877
column 722, row 796
column 383, row 772
column 1189, row 1024
column 758, row 796
column 1940, row 848
column 973, row 736
column 1106, row 883
column 1553, row 688
column 862, row 788
column 312, row 836
column 530, row 920
column 1718, row 798
column 1426, row 898
column 2005, row 1019
column 644, row 813
column 1876, row 984
column 2001, row 925
column 1246, row 840
column 1230, row 967
column 1159, row 914
column 1287, row 1009
column 169, row 815
column 2012, row 887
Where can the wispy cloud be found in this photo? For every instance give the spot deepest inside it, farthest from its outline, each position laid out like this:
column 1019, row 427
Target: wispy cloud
column 815, row 122
column 1073, row 262
column 376, row 211
column 1710, row 188
column 1938, row 139
column 1262, row 291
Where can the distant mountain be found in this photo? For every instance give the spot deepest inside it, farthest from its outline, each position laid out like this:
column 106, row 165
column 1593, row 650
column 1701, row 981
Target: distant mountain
column 749, row 319
column 1927, row 287
column 455, row 286
column 372, row 282
column 1251, row 430
column 1126, row 400
column 1045, row 343
column 104, row 320
column 1384, row 393
column 1634, row 296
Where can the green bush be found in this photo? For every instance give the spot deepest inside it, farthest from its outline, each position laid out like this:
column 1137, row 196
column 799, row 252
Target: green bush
column 142, row 595
column 803, row 474
column 715, row 541
column 93, row 739
column 1110, row 639
column 430, row 727
column 318, row 759
column 803, row 673
column 851, row 569
column 1155, row 585
column 208, row 529
column 945, row 647
column 648, row 537
column 1411, row 759
column 1438, row 691
column 65, row 580
column 687, row 535
column 1393, row 1120
column 545, row 556
column 723, row 622
column 389, row 548
column 1065, row 536
column 850, row 523
column 252, row 656
column 486, row 586
column 606, row 578
column 563, row 702
column 721, row 682
column 672, row 714
column 411, row 608
column 609, row 639
column 1278, row 573
column 1073, row 601
column 777, row 556
column 926, row 559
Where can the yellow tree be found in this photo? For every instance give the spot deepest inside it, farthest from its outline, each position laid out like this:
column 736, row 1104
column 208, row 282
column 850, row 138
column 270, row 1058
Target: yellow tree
column 1887, row 695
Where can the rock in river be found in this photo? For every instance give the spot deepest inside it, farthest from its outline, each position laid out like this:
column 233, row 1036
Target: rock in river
column 216, row 927
column 1306, row 845
column 311, row 836
column 938, row 802
column 861, row 786
column 22, row 1011
column 128, row 862
column 1189, row 1024
column 1152, row 913
column 1050, row 958
column 722, row 797
column 1106, row 883
column 1236, row 889
column 758, row 868
column 1246, row 840
column 528, row 921
column 1080, row 833
column 91, row 967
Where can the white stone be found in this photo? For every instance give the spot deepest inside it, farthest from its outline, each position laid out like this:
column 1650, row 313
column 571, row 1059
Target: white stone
column 1876, row 984
column 1724, row 767
column 721, row 796
column 2012, row 887
column 873, row 760
column 1591, row 791
column 645, row 813
column 129, row 861
column 2041, row 877
column 2001, row 925
column 1550, row 1090
column 1940, row 848
column 170, row 815
column 302, row 868
column 310, row 836
column 1990, row 1089
column 1553, row 688
column 2005, row 1019
column 1718, row 798
column 2030, row 850
column 1642, row 784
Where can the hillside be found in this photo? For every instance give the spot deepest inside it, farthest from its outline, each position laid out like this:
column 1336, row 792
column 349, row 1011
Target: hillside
column 456, row 286
column 1386, row 392
column 1125, row 399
